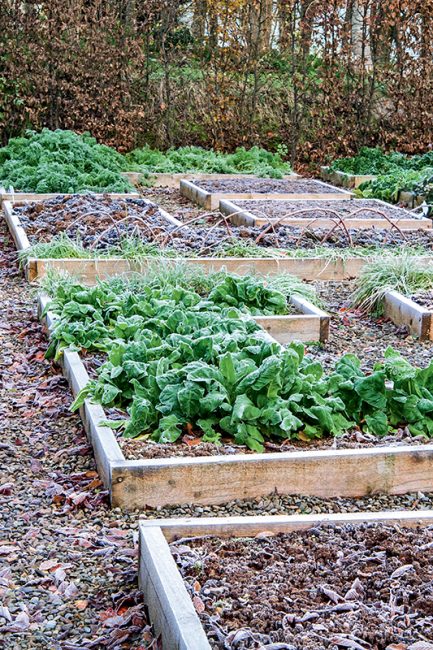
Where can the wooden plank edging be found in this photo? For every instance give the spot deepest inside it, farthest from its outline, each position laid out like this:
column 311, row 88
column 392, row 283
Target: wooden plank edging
column 343, row 179
column 404, row 311
column 308, row 268
column 407, row 222
column 16, row 229
column 105, row 446
column 171, row 610
column 170, row 606
column 211, row 480
column 211, row 201
column 252, row 525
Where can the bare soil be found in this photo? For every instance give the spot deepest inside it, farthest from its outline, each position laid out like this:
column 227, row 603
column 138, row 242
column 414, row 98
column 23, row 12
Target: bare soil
column 309, row 210
column 265, row 186
column 364, row 587
column 102, row 223
column 96, row 221
column 424, row 298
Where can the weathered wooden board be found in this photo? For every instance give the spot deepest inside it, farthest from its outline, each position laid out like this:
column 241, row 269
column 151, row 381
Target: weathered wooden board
column 211, row 201
column 171, row 610
column 104, row 443
column 311, row 324
column 242, row 217
column 404, row 311
column 170, row 606
column 252, row 525
column 89, row 270
column 18, row 233
column 342, row 179
column 325, row 473
column 30, row 197
column 173, row 180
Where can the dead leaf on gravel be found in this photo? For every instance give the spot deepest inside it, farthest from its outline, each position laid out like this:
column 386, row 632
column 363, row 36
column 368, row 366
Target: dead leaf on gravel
column 49, row 565
column 81, row 605
column 198, row 604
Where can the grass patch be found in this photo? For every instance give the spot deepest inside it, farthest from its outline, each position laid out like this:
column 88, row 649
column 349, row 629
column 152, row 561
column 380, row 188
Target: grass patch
column 404, row 273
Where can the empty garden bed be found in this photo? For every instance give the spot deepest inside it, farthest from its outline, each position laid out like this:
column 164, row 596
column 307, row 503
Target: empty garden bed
column 209, row 242
column 237, row 583
column 321, row 214
column 209, row 193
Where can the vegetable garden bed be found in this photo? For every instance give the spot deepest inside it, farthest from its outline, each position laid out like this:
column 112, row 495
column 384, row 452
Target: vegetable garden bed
column 210, row 193
column 342, row 179
column 320, row 214
column 89, row 270
column 230, row 582
column 173, row 180
column 216, row 479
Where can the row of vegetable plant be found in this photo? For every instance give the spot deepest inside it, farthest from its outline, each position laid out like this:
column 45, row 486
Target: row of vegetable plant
column 396, row 173
column 372, row 161
column 179, row 357
column 65, row 162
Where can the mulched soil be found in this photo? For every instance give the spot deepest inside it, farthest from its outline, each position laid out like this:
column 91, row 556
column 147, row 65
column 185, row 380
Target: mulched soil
column 192, row 447
column 97, row 222
column 424, row 298
column 265, row 186
column 365, row 587
column 309, row 210
column 68, row 570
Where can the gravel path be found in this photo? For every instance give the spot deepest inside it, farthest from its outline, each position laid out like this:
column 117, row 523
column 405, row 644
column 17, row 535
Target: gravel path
column 68, row 564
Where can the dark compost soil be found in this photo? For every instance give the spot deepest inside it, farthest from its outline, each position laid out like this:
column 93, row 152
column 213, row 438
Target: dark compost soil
column 309, row 210
column 362, row 587
column 95, row 221
column 102, row 222
column 265, row 186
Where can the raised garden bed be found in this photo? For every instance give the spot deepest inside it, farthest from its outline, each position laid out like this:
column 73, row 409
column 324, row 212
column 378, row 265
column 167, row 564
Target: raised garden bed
column 342, row 179
column 416, row 312
column 209, row 244
column 359, row 214
column 210, row 193
column 231, row 582
column 88, row 270
column 216, row 479
column 173, row 180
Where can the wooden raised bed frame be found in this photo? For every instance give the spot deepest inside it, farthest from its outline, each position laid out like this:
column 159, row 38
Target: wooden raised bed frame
column 342, row 179
column 241, row 217
column 211, row 201
column 172, row 180
column 404, row 311
column 89, row 270
column 137, row 484
column 171, row 609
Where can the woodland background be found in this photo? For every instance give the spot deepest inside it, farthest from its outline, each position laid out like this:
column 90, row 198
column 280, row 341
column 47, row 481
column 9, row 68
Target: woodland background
column 311, row 78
